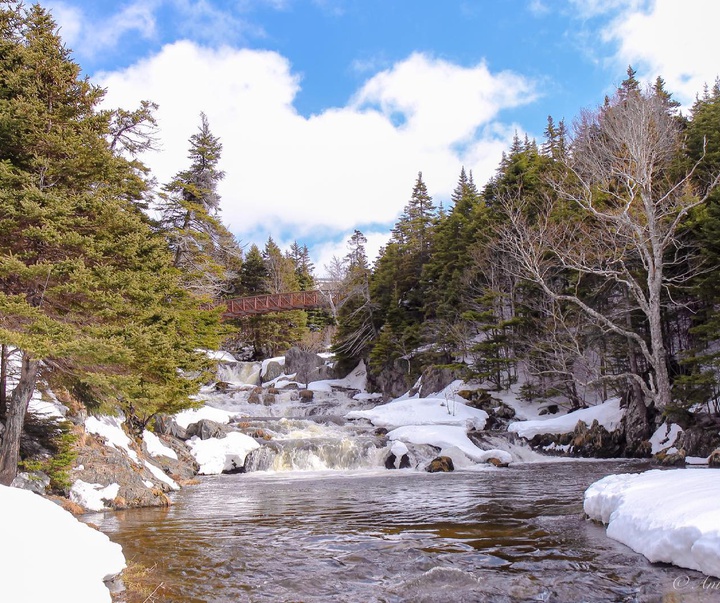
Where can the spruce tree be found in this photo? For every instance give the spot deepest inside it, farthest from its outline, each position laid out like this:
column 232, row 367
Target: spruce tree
column 88, row 295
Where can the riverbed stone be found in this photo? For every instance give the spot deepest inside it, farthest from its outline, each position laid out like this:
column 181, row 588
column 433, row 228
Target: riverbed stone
column 391, row 462
column 496, row 462
column 306, row 395
column 714, row 459
column 441, row 464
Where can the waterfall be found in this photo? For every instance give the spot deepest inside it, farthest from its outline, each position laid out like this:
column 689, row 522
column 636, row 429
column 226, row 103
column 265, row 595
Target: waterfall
column 509, row 442
column 239, row 372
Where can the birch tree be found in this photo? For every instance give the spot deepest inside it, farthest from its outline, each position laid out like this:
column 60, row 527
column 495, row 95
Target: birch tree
column 613, row 223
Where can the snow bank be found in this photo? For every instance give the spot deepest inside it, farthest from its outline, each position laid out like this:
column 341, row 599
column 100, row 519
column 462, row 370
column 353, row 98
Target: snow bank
column 422, row 411
column 93, row 496
column 667, row 516
column 161, row 476
column 609, row 414
column 155, row 446
column 51, row 556
column 111, row 429
column 221, row 454
column 193, row 415
column 219, row 355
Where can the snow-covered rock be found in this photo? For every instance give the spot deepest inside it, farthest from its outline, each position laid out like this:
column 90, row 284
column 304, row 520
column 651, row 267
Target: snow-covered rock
column 609, row 415
column 667, row 516
column 74, row 559
column 422, row 411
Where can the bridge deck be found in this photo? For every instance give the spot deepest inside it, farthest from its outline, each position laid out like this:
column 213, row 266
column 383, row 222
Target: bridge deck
column 276, row 302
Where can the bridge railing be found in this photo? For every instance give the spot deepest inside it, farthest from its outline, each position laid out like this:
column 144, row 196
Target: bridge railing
column 277, row 302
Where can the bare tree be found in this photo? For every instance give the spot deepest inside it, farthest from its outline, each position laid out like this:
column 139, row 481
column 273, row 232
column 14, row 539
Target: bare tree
column 631, row 200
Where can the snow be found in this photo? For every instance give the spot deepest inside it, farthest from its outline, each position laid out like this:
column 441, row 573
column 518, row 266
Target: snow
column 446, row 437
column 668, row 516
column 39, row 531
column 665, row 436
column 160, row 476
column 193, row 415
column 221, row 454
column 422, row 411
column 155, row 446
column 110, row 428
column 609, row 415
column 219, row 355
column 93, row 496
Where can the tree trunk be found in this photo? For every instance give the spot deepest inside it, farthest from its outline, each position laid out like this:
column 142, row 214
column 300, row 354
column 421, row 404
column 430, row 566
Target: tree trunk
column 17, row 407
column 3, row 379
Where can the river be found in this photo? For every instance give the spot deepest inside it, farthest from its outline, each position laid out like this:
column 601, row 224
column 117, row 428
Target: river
column 318, row 518
column 497, row 535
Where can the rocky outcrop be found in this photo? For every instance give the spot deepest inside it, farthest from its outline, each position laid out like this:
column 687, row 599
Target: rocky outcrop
column 392, row 462
column 702, row 437
column 392, row 381
column 166, row 425
column 714, row 459
column 441, row 464
column 499, row 413
column 434, row 379
column 597, row 442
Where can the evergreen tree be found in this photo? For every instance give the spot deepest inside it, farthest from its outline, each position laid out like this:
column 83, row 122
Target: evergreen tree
column 190, row 206
column 88, row 295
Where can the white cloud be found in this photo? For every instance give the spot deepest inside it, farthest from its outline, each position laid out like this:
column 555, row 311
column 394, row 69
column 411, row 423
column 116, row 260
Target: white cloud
column 87, row 36
column 320, row 176
column 675, row 40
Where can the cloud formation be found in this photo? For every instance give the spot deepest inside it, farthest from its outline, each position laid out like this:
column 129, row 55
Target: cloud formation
column 321, row 176
column 675, row 40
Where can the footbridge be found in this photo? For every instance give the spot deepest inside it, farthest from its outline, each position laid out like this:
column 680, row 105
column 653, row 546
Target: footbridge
column 279, row 302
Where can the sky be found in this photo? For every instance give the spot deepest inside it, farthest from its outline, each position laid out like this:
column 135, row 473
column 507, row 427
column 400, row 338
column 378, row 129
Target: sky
column 328, row 109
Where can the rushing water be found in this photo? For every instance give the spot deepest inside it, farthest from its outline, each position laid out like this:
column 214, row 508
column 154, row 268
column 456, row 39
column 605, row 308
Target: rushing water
column 499, row 535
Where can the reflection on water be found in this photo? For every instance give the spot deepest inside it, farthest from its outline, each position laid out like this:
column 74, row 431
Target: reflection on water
column 510, row 535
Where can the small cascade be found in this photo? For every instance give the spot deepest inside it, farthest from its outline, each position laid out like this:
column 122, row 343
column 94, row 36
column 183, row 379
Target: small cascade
column 315, row 454
column 517, row 447
column 247, row 373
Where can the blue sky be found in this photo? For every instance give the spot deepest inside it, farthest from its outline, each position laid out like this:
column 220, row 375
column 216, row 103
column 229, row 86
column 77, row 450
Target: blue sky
column 328, row 109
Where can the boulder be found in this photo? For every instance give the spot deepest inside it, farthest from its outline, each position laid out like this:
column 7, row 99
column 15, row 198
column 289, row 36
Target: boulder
column 306, row 366
column 701, row 438
column 268, row 399
column 37, row 482
column 671, row 459
column 253, row 398
column 441, row 464
column 306, row 395
column 206, row 429
column 714, row 459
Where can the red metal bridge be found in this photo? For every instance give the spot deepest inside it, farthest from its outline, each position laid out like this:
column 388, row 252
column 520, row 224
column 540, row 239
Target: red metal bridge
column 279, row 302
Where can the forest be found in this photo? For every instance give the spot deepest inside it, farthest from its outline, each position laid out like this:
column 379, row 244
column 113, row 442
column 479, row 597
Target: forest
column 586, row 267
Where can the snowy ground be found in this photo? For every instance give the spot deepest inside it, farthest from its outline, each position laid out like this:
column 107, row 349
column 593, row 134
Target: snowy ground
column 48, row 555
column 668, row 516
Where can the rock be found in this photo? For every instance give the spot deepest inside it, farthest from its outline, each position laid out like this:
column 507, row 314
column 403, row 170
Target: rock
column 166, row 425
column 505, row 412
column 36, row 481
column 441, row 464
column 391, row 462
column 306, row 395
column 392, row 381
column 222, row 386
column 206, row 429
column 253, row 398
column 436, row 378
column 671, row 459
column 273, row 370
column 273, row 390
column 381, row 431
column 714, row 459
column 306, row 366
column 496, row 462
column 701, row 438
column 550, row 409
column 596, row 442
column 268, row 399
